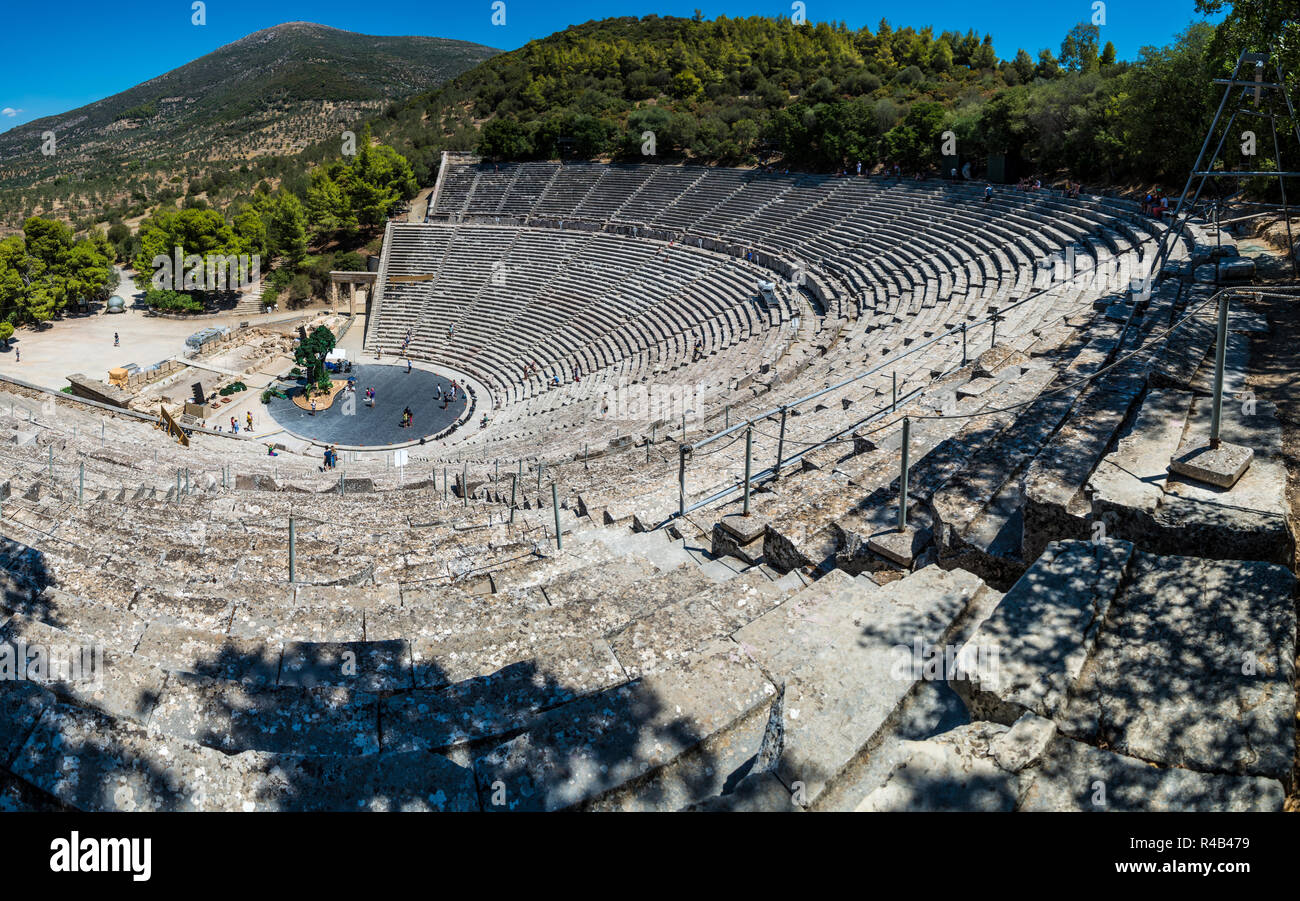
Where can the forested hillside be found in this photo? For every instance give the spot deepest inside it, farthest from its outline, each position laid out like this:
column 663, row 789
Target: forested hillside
column 819, row 96
column 215, row 127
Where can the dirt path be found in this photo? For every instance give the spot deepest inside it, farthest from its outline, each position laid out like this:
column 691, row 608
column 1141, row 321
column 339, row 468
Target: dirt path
column 1275, row 361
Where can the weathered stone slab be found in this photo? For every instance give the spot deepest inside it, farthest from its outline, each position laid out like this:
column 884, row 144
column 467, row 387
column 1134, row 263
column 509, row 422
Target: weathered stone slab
column 1196, row 668
column 21, row 705
column 249, row 660
column 1055, row 507
column 80, row 670
column 1221, row 466
column 497, row 702
column 410, row 782
column 113, row 627
column 95, row 763
column 1030, row 652
column 292, row 720
column 1072, row 776
column 836, row 645
column 589, row 750
column 1031, row 767
column 321, row 624
column 210, row 613
column 1132, row 477
column 757, row 793
column 369, row 666
column 902, row 547
column 970, row 768
column 670, row 634
column 976, row 387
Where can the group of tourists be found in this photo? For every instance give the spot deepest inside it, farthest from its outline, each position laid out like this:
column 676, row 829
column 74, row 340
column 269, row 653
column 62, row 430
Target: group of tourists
column 449, row 396
column 1155, row 204
column 408, row 418
column 331, row 458
column 234, row 424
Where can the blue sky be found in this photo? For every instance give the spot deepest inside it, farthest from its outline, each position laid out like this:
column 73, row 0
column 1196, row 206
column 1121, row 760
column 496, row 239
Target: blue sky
column 64, row 54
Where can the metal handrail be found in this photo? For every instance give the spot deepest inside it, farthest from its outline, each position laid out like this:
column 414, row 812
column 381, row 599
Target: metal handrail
column 954, row 330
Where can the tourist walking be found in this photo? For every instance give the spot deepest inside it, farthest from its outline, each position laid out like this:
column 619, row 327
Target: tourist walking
column 115, row 339
column 250, row 422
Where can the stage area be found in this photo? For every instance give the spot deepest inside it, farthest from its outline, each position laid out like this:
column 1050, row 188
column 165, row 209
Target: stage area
column 359, row 425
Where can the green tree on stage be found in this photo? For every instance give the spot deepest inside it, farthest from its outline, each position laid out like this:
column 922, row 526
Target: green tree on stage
column 310, row 355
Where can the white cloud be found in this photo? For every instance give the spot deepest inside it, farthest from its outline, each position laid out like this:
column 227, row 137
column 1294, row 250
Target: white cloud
column 9, row 111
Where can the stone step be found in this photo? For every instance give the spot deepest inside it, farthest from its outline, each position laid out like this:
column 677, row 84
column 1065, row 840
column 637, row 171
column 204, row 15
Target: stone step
column 835, row 647
column 977, row 512
column 1055, row 503
column 1179, row 661
column 1029, row 653
column 632, row 746
column 673, row 632
column 1195, row 668
column 810, row 533
column 233, row 717
column 931, row 472
column 1129, row 482
column 93, row 762
column 1030, row 766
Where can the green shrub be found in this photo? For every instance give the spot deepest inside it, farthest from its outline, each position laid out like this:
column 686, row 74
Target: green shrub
column 172, row 302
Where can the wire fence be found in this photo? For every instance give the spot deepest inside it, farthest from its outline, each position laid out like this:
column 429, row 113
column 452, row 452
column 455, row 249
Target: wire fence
column 1149, row 347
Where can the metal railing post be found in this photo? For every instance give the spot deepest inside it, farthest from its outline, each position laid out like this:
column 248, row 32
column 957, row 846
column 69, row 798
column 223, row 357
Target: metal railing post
column 444, row 484
column 893, row 403
column 540, row 464
column 555, row 506
column 1220, row 355
column 963, row 344
column 681, row 480
column 749, row 455
column 780, row 447
column 178, row 486
column 464, row 486
column 51, row 461
column 81, row 482
column 902, row 483
column 293, row 535
column 514, row 484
